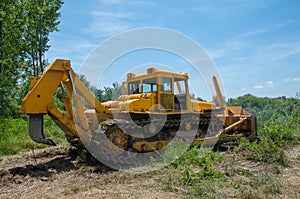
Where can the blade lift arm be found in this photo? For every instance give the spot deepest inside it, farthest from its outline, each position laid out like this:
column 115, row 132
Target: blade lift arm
column 218, row 92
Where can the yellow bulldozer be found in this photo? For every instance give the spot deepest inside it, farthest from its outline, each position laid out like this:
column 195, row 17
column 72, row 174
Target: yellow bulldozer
column 154, row 108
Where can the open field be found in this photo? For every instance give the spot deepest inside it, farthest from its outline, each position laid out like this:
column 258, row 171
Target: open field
column 58, row 172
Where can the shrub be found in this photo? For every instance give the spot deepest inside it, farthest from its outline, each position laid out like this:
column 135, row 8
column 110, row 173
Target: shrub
column 195, row 165
column 263, row 151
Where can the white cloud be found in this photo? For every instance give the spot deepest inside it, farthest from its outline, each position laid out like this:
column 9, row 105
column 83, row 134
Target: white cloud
column 270, row 84
column 258, row 87
column 70, row 47
column 267, row 29
column 106, row 28
column 112, row 17
column 292, row 79
column 238, row 44
column 290, row 51
column 204, row 8
column 108, row 23
column 254, row 32
column 220, row 9
column 134, row 3
column 214, row 54
column 112, row 2
column 111, row 14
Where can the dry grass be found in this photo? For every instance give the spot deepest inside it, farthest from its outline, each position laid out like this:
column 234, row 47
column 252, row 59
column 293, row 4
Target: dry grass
column 57, row 174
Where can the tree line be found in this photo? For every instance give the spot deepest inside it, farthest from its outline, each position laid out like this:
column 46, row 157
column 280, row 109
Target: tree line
column 25, row 26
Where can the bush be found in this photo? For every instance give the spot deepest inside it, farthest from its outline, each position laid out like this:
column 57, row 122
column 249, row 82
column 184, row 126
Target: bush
column 278, row 127
column 282, row 131
column 263, row 151
column 194, row 165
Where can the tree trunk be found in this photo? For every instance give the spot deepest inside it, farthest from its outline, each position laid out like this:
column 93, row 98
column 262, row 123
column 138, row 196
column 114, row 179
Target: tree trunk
column 41, row 45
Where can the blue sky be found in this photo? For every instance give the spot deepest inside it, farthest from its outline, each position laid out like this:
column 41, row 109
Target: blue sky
column 254, row 44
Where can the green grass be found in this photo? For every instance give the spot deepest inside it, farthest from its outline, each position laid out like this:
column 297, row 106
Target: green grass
column 193, row 168
column 275, row 136
column 15, row 136
column 202, row 173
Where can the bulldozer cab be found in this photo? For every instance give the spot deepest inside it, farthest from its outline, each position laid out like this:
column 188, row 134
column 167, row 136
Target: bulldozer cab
column 168, row 89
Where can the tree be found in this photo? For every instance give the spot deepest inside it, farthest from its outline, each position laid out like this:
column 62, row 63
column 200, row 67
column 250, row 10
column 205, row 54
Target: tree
column 109, row 93
column 25, row 27
column 215, row 100
column 41, row 18
column 1, row 23
column 11, row 51
column 298, row 95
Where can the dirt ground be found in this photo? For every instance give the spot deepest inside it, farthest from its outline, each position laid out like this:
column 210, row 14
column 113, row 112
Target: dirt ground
column 56, row 173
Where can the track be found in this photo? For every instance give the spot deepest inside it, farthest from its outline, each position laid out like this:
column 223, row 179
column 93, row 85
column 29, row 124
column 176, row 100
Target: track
column 127, row 144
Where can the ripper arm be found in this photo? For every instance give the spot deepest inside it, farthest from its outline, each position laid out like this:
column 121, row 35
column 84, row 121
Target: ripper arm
column 38, row 102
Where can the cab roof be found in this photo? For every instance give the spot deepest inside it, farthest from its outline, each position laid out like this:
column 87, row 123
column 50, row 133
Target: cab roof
column 153, row 72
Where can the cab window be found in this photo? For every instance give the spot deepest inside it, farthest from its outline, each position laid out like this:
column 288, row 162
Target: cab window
column 166, row 84
column 134, row 87
column 179, row 86
column 149, row 85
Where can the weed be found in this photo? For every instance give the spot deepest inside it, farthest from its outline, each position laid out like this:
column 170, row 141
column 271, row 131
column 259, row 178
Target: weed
column 266, row 183
column 243, row 171
column 263, row 151
column 82, row 156
column 263, row 185
column 192, row 170
column 206, row 189
column 75, row 189
column 276, row 169
column 198, row 157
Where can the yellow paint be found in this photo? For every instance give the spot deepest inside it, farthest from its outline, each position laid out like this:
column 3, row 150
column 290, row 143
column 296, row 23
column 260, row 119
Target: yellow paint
column 160, row 97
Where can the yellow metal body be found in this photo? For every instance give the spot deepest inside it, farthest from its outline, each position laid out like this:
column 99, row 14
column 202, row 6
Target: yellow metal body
column 156, row 91
column 38, row 101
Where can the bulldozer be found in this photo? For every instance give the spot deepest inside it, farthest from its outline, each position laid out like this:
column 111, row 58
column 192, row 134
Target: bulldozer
column 152, row 110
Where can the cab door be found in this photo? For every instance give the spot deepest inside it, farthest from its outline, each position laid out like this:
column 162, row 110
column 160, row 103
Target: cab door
column 180, row 94
column 166, row 93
